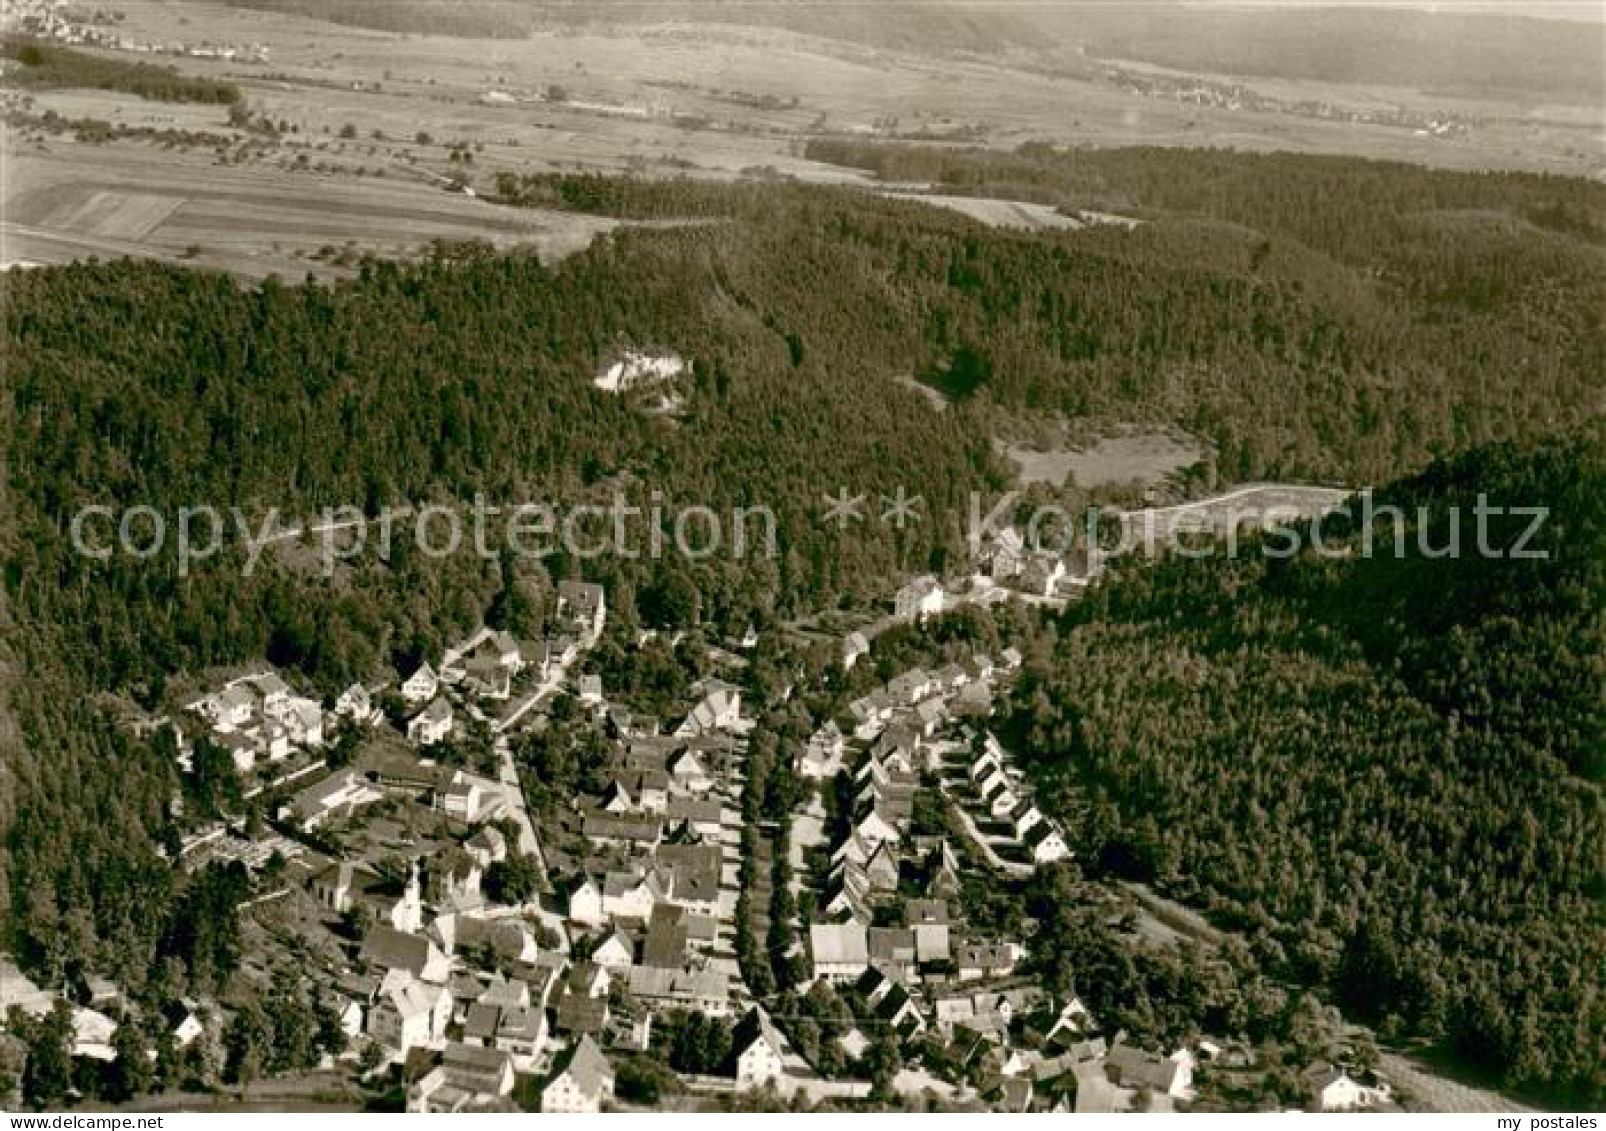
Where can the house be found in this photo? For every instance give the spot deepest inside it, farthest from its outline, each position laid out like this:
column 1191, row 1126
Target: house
column 720, row 709
column 919, row 599
column 616, row 952
column 389, row 949
column 407, row 1013
column 333, row 798
column 503, row 938
column 1336, row 1090
column 700, row 816
column 874, row 828
column 909, row 687
column 616, row 798
column 650, row 788
column 854, row 645
column 892, row 949
column 585, row 902
column 695, row 872
column 482, row 1073
column 706, row 991
column 301, row 720
column 579, row 1014
column 687, row 772
column 759, row 1051
column 821, row 758
column 487, row 846
column 469, row 798
column 633, row 895
column 522, row 1034
column 626, row 830
column 485, row 677
column 229, row 709
column 432, row 724
column 882, row 868
column 975, row 960
column 583, row 1083
column 1046, row 843
column 1132, row 1067
column 591, row 689
column 421, row 685
column 928, row 919
column 848, row 895
column 1005, row 555
column 668, row 932
column 584, row 605
column 185, row 1018
column 839, row 951
column 354, row 703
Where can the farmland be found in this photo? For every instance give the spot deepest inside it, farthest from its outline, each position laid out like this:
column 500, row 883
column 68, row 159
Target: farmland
column 344, row 138
column 253, row 223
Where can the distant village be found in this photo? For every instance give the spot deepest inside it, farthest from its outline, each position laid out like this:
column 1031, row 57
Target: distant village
column 60, row 21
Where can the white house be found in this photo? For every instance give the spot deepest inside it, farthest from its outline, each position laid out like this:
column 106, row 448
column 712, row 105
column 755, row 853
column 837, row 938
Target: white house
column 616, row 952
column 720, row 709
column 839, row 951
column 760, row 1051
column 421, row 685
column 432, row 724
column 1336, row 1090
column 1046, row 843
column 585, row 903
column 354, row 703
column 582, row 1085
column 407, row 1013
column 469, row 798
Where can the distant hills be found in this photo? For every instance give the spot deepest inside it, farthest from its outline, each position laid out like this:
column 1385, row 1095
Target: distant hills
column 1452, row 52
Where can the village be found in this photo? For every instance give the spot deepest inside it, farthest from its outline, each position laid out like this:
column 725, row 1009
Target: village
column 490, row 940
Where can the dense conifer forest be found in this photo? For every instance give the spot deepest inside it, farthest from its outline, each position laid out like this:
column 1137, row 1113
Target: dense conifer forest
column 1310, row 318
column 1383, row 771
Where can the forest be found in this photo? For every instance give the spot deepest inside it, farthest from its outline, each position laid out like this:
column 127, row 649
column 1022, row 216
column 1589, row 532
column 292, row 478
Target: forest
column 1310, row 318
column 1384, row 772
column 46, row 66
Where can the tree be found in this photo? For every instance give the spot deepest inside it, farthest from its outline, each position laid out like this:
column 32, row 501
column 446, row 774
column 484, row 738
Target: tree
column 48, row 1075
column 132, row 1073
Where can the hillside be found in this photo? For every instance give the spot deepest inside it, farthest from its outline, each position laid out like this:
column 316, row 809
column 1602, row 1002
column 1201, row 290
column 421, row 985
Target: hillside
column 1309, row 318
column 1457, row 52
column 1383, row 771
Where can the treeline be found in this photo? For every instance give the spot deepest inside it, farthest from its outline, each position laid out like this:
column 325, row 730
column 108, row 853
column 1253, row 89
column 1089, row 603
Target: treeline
column 1384, row 772
column 44, row 66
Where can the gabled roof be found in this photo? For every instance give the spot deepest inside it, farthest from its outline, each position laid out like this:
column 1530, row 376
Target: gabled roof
column 756, row 1026
column 385, row 946
column 587, row 1067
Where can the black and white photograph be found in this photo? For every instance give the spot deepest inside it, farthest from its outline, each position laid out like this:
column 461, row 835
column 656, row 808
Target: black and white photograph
column 843, row 558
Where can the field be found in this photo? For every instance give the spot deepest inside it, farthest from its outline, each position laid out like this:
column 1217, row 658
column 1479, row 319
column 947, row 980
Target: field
column 1143, row 458
column 997, row 213
column 356, row 132
column 1252, row 506
column 67, row 200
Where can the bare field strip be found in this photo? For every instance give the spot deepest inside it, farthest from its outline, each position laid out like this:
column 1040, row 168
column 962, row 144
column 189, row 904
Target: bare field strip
column 997, row 213
column 119, row 215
